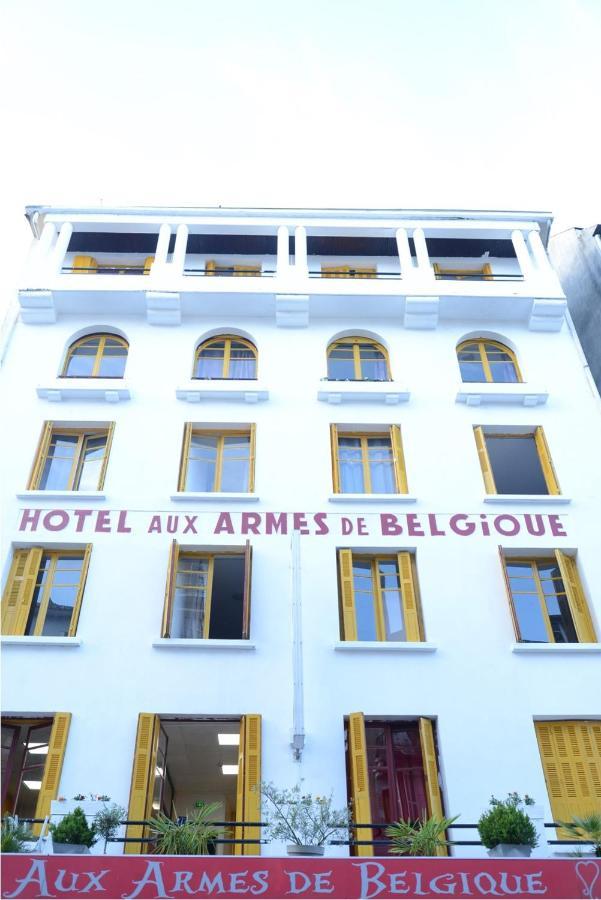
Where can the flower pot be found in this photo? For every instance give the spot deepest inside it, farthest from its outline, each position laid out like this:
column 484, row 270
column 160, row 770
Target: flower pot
column 305, row 850
column 69, row 848
column 511, row 850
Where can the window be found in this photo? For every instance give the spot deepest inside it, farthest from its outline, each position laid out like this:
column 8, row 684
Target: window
column 71, row 459
column 378, row 597
column 368, row 462
column 96, row 356
column 207, row 594
column 570, row 753
column 212, row 268
column 357, row 359
column 547, row 602
column 515, row 461
column 87, row 265
column 217, row 461
column 487, row 361
column 444, row 274
column 226, row 356
column 349, row 272
column 44, row 591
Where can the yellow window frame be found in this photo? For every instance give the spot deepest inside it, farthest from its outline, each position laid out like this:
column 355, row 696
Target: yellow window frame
column 347, row 271
column 83, row 435
column 396, row 446
column 542, row 448
column 533, row 562
column 227, row 352
column 208, row 591
column 189, row 430
column 480, row 344
column 99, row 352
column 460, row 274
column 358, row 343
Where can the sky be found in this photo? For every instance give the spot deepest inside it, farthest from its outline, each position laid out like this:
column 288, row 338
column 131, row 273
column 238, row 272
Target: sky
column 472, row 104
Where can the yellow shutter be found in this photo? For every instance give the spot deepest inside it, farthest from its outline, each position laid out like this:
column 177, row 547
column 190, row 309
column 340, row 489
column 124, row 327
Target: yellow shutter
column 26, row 589
column 489, row 481
column 12, row 588
column 247, row 583
column 170, row 589
column 239, row 829
column 247, row 270
column 142, row 779
column 87, row 265
column 80, row 589
column 576, row 599
column 334, row 452
column 410, row 601
column 109, row 442
column 40, row 457
column 545, row 461
column 148, row 264
column 248, row 793
column 487, row 272
column 399, row 459
column 210, row 267
column 183, row 463
column 571, row 759
column 430, row 764
column 252, row 454
column 335, row 271
column 347, row 595
column 360, row 782
column 365, row 272
column 514, row 618
column 52, row 767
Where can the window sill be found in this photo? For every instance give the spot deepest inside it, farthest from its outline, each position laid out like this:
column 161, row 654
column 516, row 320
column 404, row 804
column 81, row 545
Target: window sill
column 62, row 495
column 111, row 390
column 205, row 389
column 215, row 495
column 387, row 392
column 372, row 498
column 556, row 648
column 202, row 644
column 31, row 641
column 387, row 646
column 512, row 499
column 521, row 394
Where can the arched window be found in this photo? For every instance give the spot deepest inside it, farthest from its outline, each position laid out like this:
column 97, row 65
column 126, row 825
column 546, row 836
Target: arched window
column 483, row 360
column 357, row 359
column 96, row 356
column 226, row 356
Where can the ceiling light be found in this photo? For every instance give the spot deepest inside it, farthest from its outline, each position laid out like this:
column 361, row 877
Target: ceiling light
column 229, row 770
column 156, row 805
column 33, row 785
column 158, row 771
column 229, row 740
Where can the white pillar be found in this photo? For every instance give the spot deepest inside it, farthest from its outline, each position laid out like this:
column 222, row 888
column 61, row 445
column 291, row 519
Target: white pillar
column 298, row 710
column 402, row 242
column 283, row 256
column 539, row 253
column 521, row 251
column 60, row 248
column 300, row 250
column 179, row 253
column 162, row 250
column 421, row 251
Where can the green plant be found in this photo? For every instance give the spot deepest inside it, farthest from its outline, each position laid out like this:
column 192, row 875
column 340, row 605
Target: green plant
column 74, row 829
column 192, row 838
column 107, row 821
column 422, row 837
column 586, row 828
column 302, row 818
column 14, row 835
column 506, row 823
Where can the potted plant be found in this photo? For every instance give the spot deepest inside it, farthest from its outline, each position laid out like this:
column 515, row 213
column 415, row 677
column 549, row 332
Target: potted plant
column 505, row 829
column 192, row 837
column 303, row 820
column 107, row 821
column 422, row 837
column 586, row 828
column 73, row 834
column 14, row 835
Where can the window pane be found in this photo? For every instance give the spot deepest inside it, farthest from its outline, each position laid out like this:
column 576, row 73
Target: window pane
column 82, row 359
column 60, row 609
column 472, row 372
column 373, row 364
column 202, row 463
column 210, row 361
column 235, row 465
column 37, row 595
column 242, row 362
column 341, row 362
column 393, row 615
column 93, row 456
column 56, row 474
column 350, row 465
column 381, row 466
column 112, row 364
column 187, row 619
column 560, row 616
column 365, row 616
column 503, row 372
column 516, row 465
column 514, row 567
column 530, row 618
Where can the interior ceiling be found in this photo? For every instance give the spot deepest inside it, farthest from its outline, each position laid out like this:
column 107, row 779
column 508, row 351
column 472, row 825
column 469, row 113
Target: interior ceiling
column 194, row 757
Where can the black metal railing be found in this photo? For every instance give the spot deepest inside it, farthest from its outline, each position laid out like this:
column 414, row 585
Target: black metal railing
column 358, row 275
column 139, row 269
column 231, row 272
column 477, row 276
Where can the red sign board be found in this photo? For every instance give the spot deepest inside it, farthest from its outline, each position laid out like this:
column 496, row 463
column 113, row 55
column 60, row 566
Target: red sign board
column 130, row 877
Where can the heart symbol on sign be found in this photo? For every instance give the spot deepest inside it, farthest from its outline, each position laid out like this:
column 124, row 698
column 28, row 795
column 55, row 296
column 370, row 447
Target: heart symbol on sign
column 588, row 872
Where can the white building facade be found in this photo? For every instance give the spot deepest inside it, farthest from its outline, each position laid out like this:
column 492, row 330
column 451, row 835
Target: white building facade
column 325, row 482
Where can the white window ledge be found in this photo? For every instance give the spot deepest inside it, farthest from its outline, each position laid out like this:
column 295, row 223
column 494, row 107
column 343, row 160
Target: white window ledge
column 31, row 641
column 206, row 389
column 372, row 498
column 388, row 392
column 387, row 646
column 556, row 648
column 111, row 390
column 222, row 496
column 202, row 644
column 512, row 499
column 521, row 394
column 62, row 495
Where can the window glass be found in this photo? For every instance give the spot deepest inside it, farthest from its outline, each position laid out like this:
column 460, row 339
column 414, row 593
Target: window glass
column 470, row 365
column 73, row 462
column 236, row 462
column 56, row 474
column 365, row 606
column 381, row 465
column 530, row 618
column 202, row 462
column 210, row 361
column 350, row 458
column 82, row 358
column 392, row 602
column 243, row 363
column 540, row 602
column 112, row 363
column 226, row 358
column 54, row 597
column 209, row 597
column 486, row 361
column 99, row 356
column 341, row 364
column 373, row 363
column 190, row 596
column 92, row 458
column 516, row 464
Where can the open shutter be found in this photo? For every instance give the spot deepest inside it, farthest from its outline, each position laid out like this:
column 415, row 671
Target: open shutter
column 487, row 271
column 489, row 480
column 52, row 767
column 399, row 459
column 239, row 829
column 347, row 595
column 576, row 599
column 360, row 782
column 252, row 782
column 142, row 779
column 251, row 459
column 545, row 461
column 107, row 450
column 148, row 265
column 84, row 265
column 514, row 618
column 26, row 589
column 426, row 737
column 335, row 271
column 210, row 267
column 170, row 589
column 334, row 451
column 40, row 457
column 12, row 588
column 248, row 270
column 365, row 272
column 80, row 589
column 410, row 602
column 183, row 463
column 248, row 551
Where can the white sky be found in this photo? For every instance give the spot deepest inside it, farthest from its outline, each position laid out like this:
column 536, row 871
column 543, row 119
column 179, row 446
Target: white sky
column 384, row 103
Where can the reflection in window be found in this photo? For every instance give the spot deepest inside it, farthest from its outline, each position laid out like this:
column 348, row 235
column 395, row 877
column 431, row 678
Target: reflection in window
column 96, row 356
column 487, row 361
column 540, row 601
column 357, row 359
column 226, row 357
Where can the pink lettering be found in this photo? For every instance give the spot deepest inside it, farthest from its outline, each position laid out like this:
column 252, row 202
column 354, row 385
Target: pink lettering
column 414, row 526
column 224, row 523
column 511, row 529
column 250, row 523
column 63, row 520
column 81, row 515
column 457, row 528
column 300, row 523
column 557, row 529
column 103, row 521
column 389, row 524
column 30, row 518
